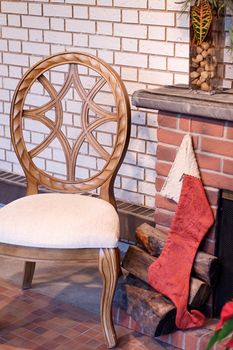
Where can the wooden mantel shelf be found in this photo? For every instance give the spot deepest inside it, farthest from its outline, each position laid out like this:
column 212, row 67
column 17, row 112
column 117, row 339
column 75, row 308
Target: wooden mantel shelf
column 183, row 100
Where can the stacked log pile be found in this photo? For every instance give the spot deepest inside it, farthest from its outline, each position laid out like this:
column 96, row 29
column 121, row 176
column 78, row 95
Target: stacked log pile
column 155, row 313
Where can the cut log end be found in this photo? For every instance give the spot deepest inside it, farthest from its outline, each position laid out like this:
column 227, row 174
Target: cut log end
column 167, row 324
column 153, row 312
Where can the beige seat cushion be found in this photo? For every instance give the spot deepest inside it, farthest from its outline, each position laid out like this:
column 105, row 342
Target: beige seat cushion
column 59, row 221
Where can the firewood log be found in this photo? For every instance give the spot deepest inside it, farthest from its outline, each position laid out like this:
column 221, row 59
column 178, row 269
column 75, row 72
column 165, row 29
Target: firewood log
column 206, row 266
column 153, row 312
column 136, row 261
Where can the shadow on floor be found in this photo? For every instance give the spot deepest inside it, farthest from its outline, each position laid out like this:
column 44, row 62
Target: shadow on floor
column 60, row 312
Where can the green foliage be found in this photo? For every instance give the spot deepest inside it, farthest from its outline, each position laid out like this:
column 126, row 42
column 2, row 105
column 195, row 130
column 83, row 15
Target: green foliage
column 217, row 6
column 231, row 39
column 201, row 16
column 224, row 328
column 221, row 334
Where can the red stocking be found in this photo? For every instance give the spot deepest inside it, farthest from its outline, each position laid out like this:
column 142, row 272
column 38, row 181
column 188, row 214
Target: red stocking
column 170, row 273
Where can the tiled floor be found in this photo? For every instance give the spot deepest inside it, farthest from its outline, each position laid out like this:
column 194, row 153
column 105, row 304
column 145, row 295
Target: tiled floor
column 32, row 320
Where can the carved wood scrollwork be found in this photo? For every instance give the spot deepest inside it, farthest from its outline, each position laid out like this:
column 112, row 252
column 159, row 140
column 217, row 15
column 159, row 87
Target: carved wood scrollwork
column 121, row 117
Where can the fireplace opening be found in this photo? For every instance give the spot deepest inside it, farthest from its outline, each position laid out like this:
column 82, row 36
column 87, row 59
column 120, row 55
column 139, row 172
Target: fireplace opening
column 224, row 250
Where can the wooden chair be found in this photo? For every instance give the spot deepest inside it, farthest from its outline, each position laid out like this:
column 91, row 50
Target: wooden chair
column 68, row 225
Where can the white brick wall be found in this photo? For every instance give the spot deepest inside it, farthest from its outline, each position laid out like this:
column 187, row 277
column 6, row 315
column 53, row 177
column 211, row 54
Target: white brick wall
column 105, row 13
column 9, row 7
column 146, row 41
column 50, row 10
column 36, row 22
column 130, row 30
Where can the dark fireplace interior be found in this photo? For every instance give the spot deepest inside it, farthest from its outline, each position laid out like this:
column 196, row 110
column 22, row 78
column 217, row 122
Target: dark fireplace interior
column 224, row 250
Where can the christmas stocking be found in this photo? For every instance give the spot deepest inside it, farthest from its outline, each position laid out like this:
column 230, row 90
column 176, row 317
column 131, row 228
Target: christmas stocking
column 170, row 273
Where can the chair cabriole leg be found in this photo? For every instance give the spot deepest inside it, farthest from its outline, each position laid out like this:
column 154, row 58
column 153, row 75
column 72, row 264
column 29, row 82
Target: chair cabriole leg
column 109, row 267
column 29, row 269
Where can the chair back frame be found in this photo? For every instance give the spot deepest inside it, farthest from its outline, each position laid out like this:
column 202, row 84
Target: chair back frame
column 105, row 177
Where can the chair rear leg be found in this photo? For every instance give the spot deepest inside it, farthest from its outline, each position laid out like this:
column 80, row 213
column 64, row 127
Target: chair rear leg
column 109, row 267
column 29, row 269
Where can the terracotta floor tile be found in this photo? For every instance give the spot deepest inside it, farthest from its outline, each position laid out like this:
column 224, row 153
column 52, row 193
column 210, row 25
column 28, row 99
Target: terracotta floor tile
column 17, row 341
column 28, row 335
column 102, row 347
column 40, row 340
column 70, row 345
column 50, row 334
column 29, row 346
column 82, row 339
column 39, row 330
column 93, row 344
column 81, row 328
column 30, row 320
column 71, row 333
column 7, row 337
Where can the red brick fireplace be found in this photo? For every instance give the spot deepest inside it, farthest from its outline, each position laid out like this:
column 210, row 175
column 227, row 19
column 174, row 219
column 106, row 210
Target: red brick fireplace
column 213, row 144
column 209, row 119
